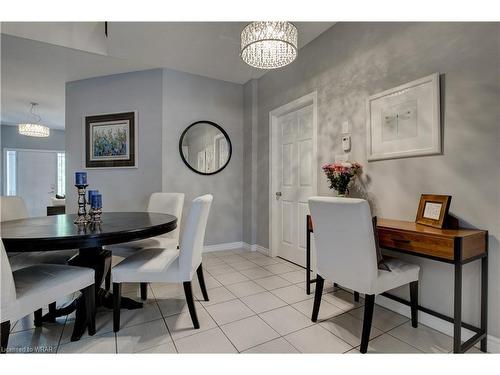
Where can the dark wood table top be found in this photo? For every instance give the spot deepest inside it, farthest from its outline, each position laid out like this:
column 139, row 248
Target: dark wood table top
column 59, row 232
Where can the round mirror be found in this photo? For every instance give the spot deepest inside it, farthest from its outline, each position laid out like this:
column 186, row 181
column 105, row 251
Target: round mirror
column 205, row 147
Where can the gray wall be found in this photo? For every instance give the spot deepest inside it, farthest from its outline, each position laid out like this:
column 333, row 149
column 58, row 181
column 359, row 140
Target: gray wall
column 351, row 61
column 125, row 189
column 12, row 139
column 167, row 102
column 188, row 98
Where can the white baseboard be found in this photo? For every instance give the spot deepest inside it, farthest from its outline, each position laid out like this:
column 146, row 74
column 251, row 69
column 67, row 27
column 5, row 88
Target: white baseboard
column 236, row 245
column 223, row 246
column 261, row 249
column 493, row 344
column 256, row 247
column 434, row 322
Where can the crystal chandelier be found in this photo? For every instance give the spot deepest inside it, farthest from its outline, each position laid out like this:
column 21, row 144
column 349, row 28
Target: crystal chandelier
column 34, row 129
column 269, row 45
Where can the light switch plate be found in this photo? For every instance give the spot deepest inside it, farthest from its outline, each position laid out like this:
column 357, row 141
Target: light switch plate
column 346, row 143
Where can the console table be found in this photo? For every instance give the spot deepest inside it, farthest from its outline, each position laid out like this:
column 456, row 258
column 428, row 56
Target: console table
column 454, row 246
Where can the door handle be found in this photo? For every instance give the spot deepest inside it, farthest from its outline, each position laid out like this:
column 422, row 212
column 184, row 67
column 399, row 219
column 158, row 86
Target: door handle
column 278, row 194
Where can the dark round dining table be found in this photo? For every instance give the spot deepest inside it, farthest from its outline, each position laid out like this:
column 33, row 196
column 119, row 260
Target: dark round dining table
column 59, row 232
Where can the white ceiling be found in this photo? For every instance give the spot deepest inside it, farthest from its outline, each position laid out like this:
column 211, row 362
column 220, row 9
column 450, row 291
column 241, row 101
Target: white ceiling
column 209, row 49
column 33, row 70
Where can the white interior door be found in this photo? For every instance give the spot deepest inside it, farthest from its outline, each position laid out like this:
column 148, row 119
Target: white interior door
column 294, row 166
column 36, row 179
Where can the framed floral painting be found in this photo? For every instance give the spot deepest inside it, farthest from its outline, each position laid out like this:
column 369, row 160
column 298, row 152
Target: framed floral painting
column 111, row 140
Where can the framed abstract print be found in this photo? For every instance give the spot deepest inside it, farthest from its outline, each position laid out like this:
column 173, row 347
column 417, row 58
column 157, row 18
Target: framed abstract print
column 404, row 121
column 111, row 140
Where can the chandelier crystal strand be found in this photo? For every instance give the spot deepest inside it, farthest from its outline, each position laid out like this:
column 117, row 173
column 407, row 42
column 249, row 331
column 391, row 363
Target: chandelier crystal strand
column 269, row 45
column 34, row 130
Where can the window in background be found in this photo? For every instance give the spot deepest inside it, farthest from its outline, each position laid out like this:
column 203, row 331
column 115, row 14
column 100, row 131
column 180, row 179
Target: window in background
column 61, row 173
column 11, row 185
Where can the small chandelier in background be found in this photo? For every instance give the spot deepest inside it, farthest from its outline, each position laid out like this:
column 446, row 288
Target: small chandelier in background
column 269, row 45
column 34, row 129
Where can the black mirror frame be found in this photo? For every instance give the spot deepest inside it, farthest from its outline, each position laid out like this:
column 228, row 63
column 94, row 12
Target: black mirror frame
column 223, row 133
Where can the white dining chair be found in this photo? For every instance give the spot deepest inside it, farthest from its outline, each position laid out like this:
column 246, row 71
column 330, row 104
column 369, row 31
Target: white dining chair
column 346, row 254
column 165, row 265
column 14, row 208
column 25, row 290
column 164, row 203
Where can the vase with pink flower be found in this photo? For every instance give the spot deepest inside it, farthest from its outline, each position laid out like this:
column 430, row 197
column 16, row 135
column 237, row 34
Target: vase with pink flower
column 341, row 175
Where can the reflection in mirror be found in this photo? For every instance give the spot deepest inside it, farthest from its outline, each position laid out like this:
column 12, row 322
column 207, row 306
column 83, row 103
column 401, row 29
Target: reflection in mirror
column 205, row 147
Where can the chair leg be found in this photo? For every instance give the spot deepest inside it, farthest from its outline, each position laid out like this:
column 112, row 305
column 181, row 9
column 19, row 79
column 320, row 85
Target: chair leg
column 356, row 296
column 38, row 318
column 201, row 280
column 89, row 296
column 52, row 309
column 188, row 291
column 320, row 282
column 414, row 303
column 5, row 336
column 367, row 322
column 117, row 296
column 107, row 281
column 144, row 291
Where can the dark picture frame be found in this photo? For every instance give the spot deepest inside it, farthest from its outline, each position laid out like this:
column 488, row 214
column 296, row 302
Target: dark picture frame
column 110, row 140
column 224, row 133
column 433, row 210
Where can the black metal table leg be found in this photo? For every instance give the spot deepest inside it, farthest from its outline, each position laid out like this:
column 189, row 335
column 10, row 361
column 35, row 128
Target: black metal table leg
column 457, row 311
column 484, row 298
column 308, row 259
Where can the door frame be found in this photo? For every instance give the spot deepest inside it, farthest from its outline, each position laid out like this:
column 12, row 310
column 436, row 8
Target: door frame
column 17, row 149
column 306, row 100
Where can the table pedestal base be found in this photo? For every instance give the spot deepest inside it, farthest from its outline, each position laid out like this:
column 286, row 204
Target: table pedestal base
column 100, row 261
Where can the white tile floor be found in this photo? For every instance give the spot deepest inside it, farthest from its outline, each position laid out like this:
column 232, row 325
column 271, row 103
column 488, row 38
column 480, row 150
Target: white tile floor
column 257, row 304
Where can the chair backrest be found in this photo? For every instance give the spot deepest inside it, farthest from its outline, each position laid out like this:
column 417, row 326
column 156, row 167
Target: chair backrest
column 8, row 288
column 168, row 203
column 193, row 236
column 345, row 245
column 13, row 208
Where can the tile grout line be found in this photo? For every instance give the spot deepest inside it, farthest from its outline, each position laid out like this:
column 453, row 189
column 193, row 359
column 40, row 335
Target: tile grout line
column 219, row 327
column 231, row 269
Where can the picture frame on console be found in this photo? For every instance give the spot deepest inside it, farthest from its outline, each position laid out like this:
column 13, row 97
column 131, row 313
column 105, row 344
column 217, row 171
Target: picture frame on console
column 433, row 210
column 404, row 121
column 110, row 140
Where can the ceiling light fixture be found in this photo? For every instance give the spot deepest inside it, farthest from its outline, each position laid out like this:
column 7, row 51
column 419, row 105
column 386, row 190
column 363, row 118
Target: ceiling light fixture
column 269, row 45
column 34, row 129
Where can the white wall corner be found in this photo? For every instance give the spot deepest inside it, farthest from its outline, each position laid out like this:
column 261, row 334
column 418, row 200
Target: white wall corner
column 260, row 249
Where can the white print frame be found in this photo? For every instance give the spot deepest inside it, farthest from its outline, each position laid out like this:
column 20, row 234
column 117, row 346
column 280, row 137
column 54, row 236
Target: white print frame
column 404, row 121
